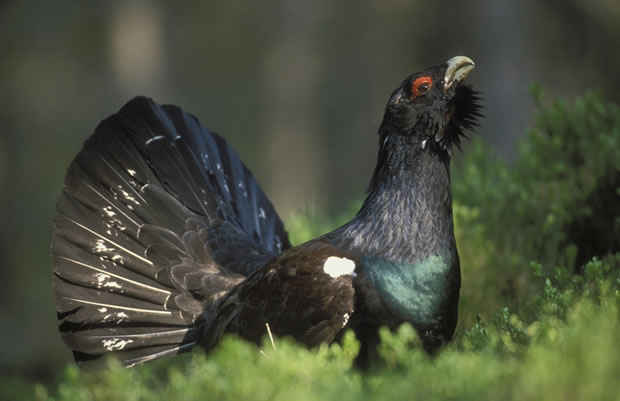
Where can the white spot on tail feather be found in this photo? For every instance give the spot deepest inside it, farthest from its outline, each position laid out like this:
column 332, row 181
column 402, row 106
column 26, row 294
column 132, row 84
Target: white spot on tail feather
column 278, row 244
column 102, row 282
column 336, row 267
column 128, row 196
column 131, row 172
column 101, row 279
column 101, row 247
column 155, row 138
column 115, row 344
column 261, row 213
column 346, row 317
column 121, row 317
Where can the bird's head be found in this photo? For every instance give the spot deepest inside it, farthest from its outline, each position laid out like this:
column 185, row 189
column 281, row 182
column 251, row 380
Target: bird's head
column 433, row 107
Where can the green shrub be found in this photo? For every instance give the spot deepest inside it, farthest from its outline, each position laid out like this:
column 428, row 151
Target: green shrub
column 558, row 204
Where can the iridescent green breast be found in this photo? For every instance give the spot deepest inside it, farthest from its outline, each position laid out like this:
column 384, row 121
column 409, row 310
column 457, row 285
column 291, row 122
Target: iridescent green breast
column 416, row 290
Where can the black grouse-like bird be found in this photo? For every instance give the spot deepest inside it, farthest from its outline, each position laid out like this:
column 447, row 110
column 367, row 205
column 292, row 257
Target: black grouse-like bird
column 163, row 239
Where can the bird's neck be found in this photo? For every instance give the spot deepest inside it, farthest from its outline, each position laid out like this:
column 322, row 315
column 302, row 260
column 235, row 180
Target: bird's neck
column 407, row 215
column 404, row 238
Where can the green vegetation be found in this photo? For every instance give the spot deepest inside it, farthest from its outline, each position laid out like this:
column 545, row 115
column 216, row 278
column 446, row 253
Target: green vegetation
column 558, row 205
column 540, row 311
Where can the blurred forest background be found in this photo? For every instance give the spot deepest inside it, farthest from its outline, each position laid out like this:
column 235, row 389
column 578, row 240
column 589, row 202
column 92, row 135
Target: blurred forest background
column 297, row 87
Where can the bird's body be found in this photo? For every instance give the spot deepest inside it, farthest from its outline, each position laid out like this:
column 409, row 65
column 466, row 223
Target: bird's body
column 163, row 239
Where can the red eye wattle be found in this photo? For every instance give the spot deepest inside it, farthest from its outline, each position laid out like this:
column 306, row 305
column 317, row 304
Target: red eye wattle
column 421, row 85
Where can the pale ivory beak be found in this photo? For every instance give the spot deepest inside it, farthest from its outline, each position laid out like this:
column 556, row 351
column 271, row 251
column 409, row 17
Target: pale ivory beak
column 458, row 68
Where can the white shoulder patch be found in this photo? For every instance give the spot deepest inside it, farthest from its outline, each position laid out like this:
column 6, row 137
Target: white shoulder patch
column 336, row 267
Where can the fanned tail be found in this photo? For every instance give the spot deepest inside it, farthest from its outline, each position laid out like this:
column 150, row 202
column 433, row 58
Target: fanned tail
column 158, row 218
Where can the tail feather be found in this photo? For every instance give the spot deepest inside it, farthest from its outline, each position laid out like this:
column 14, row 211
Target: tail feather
column 99, row 341
column 81, row 229
column 158, row 219
column 90, row 306
column 132, row 357
column 78, row 267
column 142, row 355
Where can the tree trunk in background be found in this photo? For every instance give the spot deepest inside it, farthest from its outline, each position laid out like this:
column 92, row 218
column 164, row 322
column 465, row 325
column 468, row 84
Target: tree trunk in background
column 506, row 65
column 136, row 46
column 290, row 73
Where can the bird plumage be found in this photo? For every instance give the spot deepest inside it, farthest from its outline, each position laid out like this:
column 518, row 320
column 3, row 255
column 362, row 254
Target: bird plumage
column 158, row 218
column 163, row 239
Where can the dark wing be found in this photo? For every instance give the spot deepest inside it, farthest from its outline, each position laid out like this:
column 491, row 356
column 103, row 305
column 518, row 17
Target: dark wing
column 158, row 218
column 306, row 292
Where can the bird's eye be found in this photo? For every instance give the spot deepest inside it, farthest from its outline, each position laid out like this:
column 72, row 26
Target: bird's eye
column 421, row 86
